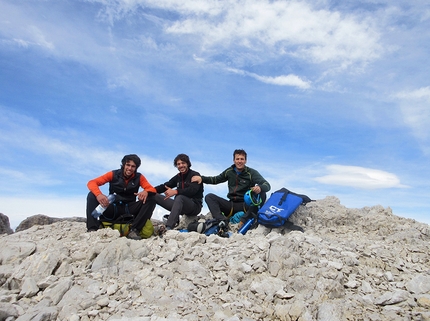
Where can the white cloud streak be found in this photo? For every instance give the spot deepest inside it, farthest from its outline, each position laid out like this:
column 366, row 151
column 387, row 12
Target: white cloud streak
column 285, row 28
column 284, row 80
column 67, row 147
column 233, row 33
column 418, row 94
column 266, row 28
column 359, row 177
column 415, row 108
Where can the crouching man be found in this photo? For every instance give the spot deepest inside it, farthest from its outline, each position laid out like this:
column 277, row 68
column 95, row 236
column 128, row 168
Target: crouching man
column 125, row 183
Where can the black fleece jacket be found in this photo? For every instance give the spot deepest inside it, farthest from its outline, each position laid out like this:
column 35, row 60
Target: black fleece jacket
column 184, row 186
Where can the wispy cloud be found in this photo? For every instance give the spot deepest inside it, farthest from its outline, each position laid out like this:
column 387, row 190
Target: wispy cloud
column 417, row 94
column 359, row 177
column 14, row 180
column 284, row 80
column 293, row 28
column 88, row 81
column 75, row 150
column 237, row 34
column 415, row 108
column 266, row 28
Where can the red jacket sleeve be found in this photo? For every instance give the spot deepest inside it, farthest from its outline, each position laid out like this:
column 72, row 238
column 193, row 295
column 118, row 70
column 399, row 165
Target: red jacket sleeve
column 93, row 185
column 145, row 184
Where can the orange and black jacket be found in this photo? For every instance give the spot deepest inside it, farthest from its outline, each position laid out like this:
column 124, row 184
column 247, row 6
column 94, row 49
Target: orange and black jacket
column 125, row 188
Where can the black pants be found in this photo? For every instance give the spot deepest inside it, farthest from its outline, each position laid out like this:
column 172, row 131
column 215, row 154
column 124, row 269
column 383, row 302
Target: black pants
column 179, row 205
column 218, row 205
column 141, row 212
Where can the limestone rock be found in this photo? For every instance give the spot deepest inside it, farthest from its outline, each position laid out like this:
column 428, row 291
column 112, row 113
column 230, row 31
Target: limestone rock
column 5, row 225
column 40, row 219
column 347, row 264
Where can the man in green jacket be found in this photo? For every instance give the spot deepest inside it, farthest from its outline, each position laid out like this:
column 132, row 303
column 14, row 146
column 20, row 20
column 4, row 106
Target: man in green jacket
column 240, row 179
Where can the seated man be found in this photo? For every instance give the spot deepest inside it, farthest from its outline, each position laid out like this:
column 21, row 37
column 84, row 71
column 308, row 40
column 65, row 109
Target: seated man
column 240, row 179
column 125, row 182
column 188, row 196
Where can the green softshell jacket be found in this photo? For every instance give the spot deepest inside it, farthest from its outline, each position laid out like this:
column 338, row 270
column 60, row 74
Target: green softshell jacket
column 238, row 184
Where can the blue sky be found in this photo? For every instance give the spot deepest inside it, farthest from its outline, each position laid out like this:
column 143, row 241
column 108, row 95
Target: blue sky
column 329, row 98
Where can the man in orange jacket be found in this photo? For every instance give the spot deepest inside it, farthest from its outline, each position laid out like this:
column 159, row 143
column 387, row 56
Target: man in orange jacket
column 125, row 183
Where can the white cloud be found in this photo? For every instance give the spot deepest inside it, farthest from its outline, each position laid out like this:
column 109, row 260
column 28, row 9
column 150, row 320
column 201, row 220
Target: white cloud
column 13, row 180
column 284, row 28
column 67, row 147
column 415, row 108
column 265, row 28
column 240, row 33
column 418, row 94
column 284, row 80
column 22, row 34
column 359, row 177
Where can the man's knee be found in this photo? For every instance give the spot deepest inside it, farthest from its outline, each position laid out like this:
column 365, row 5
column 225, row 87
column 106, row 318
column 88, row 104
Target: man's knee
column 151, row 203
column 91, row 197
column 151, row 199
column 210, row 197
column 159, row 198
column 92, row 202
column 180, row 198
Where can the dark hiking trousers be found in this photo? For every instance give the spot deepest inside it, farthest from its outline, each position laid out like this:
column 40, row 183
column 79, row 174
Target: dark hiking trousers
column 218, row 205
column 141, row 212
column 179, row 205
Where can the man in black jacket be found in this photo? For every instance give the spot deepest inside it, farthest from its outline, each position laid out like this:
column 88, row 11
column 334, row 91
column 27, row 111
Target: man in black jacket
column 188, row 196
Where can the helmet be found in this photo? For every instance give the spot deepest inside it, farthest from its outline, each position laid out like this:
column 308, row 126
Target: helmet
column 251, row 198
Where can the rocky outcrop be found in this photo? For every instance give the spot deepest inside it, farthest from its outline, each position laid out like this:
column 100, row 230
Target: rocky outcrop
column 348, row 264
column 5, row 225
column 40, row 219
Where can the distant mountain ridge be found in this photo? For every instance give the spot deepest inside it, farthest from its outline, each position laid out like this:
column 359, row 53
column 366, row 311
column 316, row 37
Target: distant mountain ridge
column 38, row 219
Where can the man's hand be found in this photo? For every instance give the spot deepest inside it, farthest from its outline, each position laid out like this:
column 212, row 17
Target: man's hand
column 169, row 192
column 256, row 189
column 103, row 200
column 142, row 196
column 196, row 179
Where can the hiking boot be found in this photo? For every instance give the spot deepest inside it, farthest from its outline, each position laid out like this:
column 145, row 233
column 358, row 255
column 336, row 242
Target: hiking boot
column 223, row 229
column 224, row 226
column 162, row 229
column 134, row 235
column 201, row 227
column 165, row 218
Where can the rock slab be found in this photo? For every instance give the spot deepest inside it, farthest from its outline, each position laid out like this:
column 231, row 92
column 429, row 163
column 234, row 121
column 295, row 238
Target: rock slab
column 348, row 264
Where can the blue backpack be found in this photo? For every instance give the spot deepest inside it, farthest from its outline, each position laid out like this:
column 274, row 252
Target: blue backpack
column 279, row 207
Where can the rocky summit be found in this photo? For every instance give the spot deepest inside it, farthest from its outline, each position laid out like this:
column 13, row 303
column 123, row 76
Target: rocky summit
column 347, row 264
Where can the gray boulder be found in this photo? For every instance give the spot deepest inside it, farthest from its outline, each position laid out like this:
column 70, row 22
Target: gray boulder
column 5, row 225
column 41, row 219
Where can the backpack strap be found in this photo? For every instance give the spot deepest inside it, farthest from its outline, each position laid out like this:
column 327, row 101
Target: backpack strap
column 284, row 197
column 306, row 199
